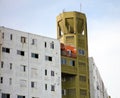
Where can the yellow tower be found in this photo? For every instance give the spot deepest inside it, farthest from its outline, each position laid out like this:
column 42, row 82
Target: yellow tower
column 72, row 33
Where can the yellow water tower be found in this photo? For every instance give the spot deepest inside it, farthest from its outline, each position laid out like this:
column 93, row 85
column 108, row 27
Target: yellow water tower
column 72, row 33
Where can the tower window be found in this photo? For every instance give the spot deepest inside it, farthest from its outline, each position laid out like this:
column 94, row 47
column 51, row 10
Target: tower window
column 72, row 63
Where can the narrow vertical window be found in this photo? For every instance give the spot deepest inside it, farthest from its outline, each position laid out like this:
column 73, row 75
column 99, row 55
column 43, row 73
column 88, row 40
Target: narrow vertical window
column 10, row 81
column 52, row 73
column 10, row 66
column 45, row 71
column 45, row 86
column 1, row 80
column 11, row 37
column 3, row 35
column 2, row 63
column 45, row 44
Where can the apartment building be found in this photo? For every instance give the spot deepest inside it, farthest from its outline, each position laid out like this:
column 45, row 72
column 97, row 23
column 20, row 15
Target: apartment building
column 97, row 88
column 30, row 65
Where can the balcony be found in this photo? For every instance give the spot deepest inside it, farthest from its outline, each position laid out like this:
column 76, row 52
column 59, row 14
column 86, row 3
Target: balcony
column 69, row 69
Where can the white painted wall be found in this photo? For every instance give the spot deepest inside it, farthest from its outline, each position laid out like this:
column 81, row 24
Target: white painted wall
column 35, row 68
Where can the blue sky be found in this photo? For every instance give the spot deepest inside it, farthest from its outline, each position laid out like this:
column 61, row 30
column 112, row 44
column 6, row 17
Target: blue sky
column 103, row 18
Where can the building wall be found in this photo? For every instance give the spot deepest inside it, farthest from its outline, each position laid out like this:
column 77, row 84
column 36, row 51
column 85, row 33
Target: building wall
column 26, row 66
column 97, row 88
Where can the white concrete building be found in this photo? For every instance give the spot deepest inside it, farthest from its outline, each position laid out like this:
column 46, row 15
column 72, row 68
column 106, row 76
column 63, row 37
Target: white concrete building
column 30, row 65
column 97, row 88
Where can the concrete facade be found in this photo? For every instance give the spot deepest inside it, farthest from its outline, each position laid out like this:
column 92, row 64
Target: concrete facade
column 97, row 88
column 30, row 65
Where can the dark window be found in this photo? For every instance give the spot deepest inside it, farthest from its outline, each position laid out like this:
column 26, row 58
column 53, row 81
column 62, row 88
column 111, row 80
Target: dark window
column 10, row 81
column 48, row 58
column 52, row 45
column 52, row 73
column 83, row 78
column 2, row 63
column 10, row 65
column 34, row 55
column 11, row 37
column 72, row 63
column 81, row 52
column 45, row 71
column 33, row 84
column 52, row 88
column 23, row 39
column 20, row 96
column 45, row 86
column 1, row 80
column 45, row 44
column 3, row 35
column 63, row 61
column 5, row 95
column 23, row 68
column 34, row 41
column 83, row 92
column 7, row 50
column 22, row 53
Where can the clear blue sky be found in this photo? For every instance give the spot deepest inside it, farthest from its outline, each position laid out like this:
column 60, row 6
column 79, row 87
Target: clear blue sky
column 103, row 18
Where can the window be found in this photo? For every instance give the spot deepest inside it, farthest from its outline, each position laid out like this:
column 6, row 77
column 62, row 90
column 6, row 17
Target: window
column 3, row 35
column 52, row 73
column 10, row 66
column 81, row 52
column 34, row 55
column 2, row 63
column 83, row 78
column 23, row 39
column 10, row 81
column 63, row 92
column 20, row 96
column 34, row 41
column 45, row 44
column 63, row 61
column 52, row 88
column 7, row 50
column 45, row 71
column 72, row 63
column 11, row 37
column 33, row 84
column 23, row 68
column 52, row 45
column 45, row 86
column 48, row 58
column 1, row 80
column 22, row 53
column 83, row 92
column 5, row 95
